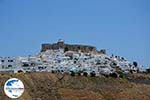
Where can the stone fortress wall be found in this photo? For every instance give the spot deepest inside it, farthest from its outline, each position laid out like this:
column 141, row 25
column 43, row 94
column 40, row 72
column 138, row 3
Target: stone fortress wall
column 70, row 47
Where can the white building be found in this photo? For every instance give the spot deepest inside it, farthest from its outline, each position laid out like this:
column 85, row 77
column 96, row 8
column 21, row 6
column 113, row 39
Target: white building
column 57, row 60
column 9, row 64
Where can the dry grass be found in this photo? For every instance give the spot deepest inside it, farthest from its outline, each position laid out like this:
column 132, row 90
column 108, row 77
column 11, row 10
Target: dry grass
column 47, row 86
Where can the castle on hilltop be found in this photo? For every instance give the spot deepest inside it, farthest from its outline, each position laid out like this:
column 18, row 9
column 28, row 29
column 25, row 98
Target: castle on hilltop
column 70, row 47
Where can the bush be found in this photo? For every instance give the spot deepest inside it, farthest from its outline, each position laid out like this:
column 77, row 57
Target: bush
column 135, row 64
column 85, row 74
column 148, row 70
column 122, row 76
column 92, row 74
column 53, row 71
column 72, row 73
column 79, row 73
column 66, row 49
column 20, row 71
column 114, row 75
column 131, row 71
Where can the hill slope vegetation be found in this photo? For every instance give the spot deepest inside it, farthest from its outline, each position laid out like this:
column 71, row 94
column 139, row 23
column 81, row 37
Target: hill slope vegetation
column 47, row 86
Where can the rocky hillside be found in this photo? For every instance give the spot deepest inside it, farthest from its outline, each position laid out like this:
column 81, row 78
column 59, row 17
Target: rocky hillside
column 47, row 86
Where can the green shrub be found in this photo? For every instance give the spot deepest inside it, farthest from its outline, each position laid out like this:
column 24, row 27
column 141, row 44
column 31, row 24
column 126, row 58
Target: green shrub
column 85, row 74
column 72, row 73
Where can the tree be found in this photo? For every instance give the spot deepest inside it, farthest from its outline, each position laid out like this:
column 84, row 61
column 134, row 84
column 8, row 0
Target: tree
column 79, row 73
column 92, row 74
column 53, row 71
column 20, row 71
column 66, row 49
column 72, row 73
column 114, row 75
column 85, row 74
column 135, row 64
column 148, row 70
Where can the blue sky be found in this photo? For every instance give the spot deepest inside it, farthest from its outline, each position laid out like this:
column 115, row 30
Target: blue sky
column 122, row 27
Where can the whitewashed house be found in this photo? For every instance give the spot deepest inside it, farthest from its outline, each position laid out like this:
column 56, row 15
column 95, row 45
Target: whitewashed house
column 9, row 64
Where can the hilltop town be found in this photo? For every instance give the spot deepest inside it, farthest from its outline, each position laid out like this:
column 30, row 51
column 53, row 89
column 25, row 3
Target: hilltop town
column 72, row 59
